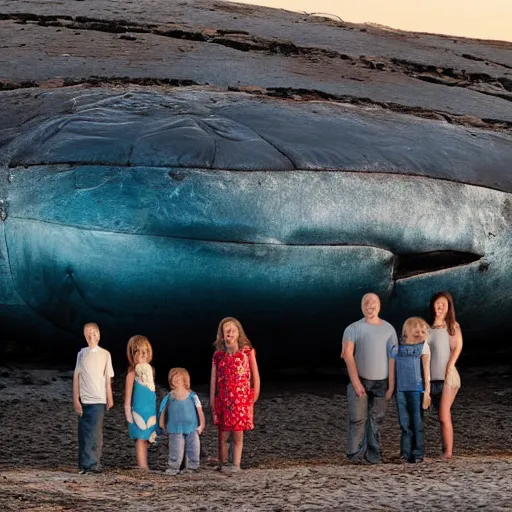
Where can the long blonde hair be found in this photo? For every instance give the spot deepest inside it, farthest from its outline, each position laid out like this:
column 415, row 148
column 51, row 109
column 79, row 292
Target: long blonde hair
column 243, row 341
column 136, row 343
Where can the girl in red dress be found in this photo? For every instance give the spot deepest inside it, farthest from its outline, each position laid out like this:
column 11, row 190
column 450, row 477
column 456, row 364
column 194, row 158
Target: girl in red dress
column 234, row 388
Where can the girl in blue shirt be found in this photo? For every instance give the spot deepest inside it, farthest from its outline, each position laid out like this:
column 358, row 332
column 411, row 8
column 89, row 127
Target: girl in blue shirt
column 412, row 386
column 181, row 414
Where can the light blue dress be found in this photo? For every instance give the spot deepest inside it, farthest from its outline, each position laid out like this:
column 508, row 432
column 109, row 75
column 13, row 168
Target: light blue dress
column 144, row 413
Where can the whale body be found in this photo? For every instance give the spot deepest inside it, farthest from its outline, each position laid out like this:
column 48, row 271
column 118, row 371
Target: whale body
column 160, row 212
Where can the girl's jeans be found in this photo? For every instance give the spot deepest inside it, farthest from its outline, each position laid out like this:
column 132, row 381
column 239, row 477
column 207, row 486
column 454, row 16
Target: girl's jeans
column 184, row 444
column 90, row 436
column 410, row 416
column 365, row 416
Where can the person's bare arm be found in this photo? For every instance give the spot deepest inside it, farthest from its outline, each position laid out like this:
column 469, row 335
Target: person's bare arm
column 163, row 417
column 255, row 375
column 425, row 360
column 348, row 356
column 76, row 394
column 202, row 421
column 455, row 347
column 110, row 395
column 109, row 374
column 128, row 390
column 391, row 378
column 213, row 385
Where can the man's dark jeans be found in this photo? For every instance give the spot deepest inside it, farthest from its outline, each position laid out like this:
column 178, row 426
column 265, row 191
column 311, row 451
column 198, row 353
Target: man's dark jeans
column 410, row 416
column 90, row 436
column 365, row 417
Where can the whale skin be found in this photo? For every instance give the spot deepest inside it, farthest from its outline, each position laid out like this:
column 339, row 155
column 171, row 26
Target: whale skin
column 160, row 212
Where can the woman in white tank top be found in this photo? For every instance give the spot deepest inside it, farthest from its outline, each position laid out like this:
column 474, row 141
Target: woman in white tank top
column 445, row 346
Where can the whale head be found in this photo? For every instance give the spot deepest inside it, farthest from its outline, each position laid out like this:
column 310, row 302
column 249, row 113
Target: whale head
column 163, row 212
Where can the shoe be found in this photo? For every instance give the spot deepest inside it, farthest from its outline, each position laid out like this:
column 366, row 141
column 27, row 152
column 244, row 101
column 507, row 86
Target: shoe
column 410, row 459
column 93, row 470
column 231, row 468
column 172, row 472
column 189, row 471
column 357, row 460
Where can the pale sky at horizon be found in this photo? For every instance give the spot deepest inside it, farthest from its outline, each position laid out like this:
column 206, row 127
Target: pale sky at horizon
column 483, row 19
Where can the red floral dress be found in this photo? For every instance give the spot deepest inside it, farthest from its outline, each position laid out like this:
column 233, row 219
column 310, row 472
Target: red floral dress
column 235, row 396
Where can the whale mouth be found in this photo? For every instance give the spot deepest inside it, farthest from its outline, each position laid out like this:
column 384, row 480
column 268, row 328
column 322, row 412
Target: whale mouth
column 319, row 211
column 415, row 264
column 67, row 274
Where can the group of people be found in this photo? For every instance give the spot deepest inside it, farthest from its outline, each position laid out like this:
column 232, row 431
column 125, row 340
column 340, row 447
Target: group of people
column 419, row 369
column 234, row 389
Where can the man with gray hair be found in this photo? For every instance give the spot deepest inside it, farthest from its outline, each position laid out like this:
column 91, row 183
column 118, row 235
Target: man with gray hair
column 367, row 348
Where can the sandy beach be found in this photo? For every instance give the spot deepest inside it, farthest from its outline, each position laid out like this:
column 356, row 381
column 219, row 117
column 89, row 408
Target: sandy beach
column 294, row 459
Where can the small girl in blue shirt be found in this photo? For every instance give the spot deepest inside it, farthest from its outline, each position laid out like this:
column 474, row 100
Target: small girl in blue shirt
column 412, row 388
column 181, row 414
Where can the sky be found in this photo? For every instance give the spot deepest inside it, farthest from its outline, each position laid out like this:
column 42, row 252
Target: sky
column 482, row 19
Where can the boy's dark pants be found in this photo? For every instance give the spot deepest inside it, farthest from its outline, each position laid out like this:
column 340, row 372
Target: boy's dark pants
column 90, row 436
column 410, row 416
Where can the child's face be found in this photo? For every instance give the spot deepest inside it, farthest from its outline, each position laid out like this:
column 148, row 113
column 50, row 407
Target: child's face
column 231, row 334
column 92, row 336
column 177, row 382
column 416, row 333
column 441, row 307
column 140, row 356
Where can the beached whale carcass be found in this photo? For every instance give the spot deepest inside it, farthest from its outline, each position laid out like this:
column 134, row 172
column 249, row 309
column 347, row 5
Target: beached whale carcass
column 162, row 212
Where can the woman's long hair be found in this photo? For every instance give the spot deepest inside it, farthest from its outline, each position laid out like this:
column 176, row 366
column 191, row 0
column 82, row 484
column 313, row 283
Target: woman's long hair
column 450, row 315
column 243, row 341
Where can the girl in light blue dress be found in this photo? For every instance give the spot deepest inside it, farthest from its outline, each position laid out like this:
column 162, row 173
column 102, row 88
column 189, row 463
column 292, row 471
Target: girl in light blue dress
column 140, row 397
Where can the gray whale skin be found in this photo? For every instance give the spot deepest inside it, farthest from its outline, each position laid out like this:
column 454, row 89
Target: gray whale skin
column 162, row 212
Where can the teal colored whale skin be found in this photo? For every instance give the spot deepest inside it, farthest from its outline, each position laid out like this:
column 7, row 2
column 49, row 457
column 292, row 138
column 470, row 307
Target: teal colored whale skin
column 159, row 213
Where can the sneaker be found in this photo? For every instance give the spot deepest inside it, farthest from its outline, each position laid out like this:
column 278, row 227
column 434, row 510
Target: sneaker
column 357, row 460
column 230, row 468
column 172, row 472
column 189, row 471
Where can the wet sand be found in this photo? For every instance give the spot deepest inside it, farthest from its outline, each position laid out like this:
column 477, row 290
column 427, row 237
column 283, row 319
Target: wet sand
column 294, row 459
